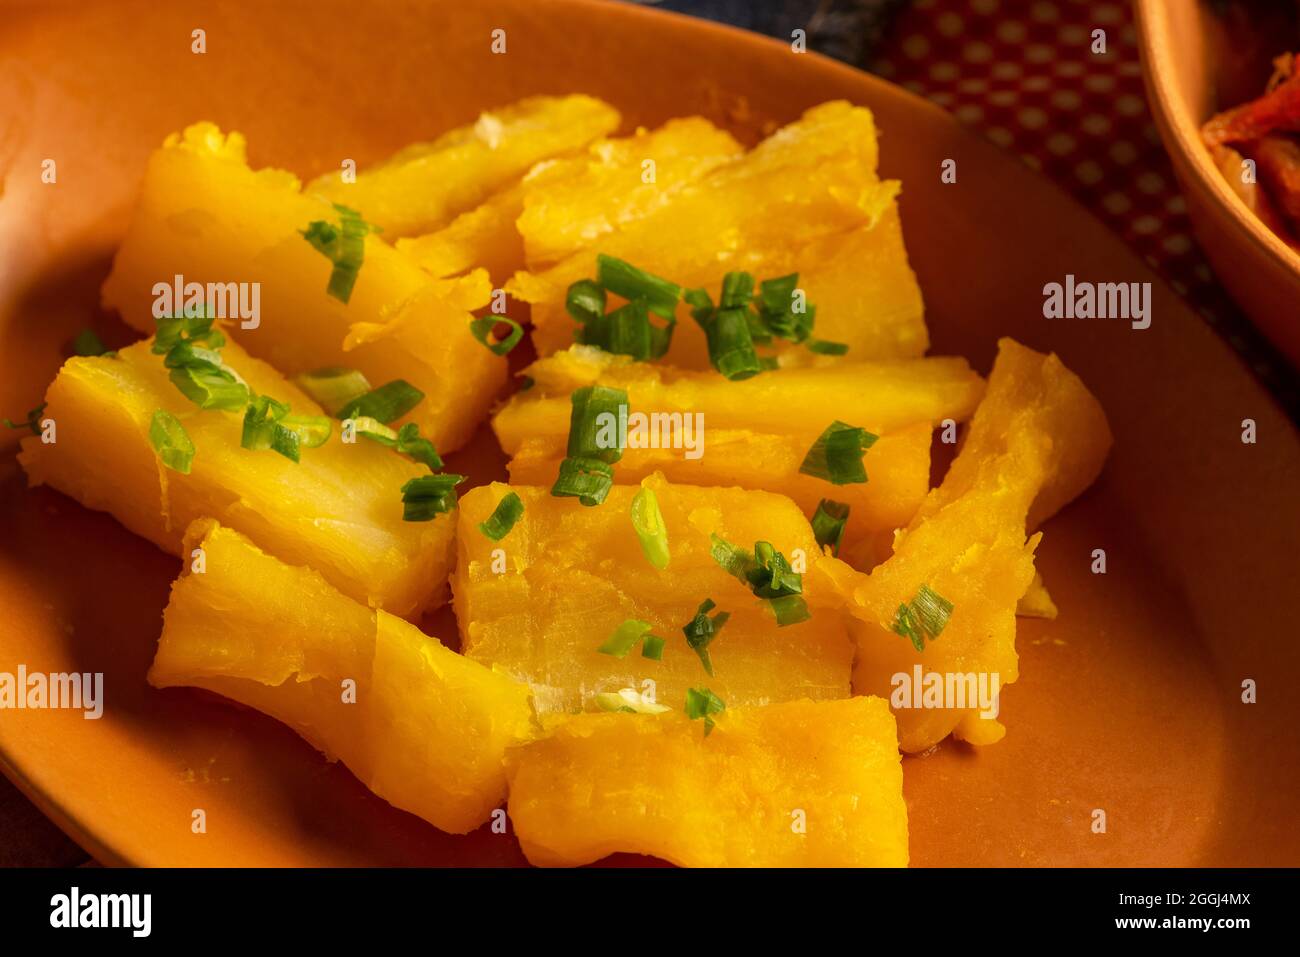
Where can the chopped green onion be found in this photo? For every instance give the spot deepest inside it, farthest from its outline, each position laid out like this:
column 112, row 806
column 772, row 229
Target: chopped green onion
column 483, row 328
column 427, row 497
column 262, row 429
column 88, row 344
column 824, row 347
column 585, row 301
column 737, row 290
column 828, row 524
column 413, row 446
column 932, row 610
column 837, row 454
column 924, row 617
column 628, row 331
column 648, row 523
column 170, row 440
column 32, row 422
column 766, row 573
column 595, row 443
column 208, row 385
column 343, row 245
column 628, row 700
column 776, row 309
column 652, row 647
column 702, row 629
column 193, row 327
column 333, row 387
column 508, row 511
column 373, row 429
column 587, row 480
column 905, row 624
column 789, row 610
column 703, row 703
column 312, row 430
column 633, row 284
column 727, row 329
column 390, row 401
column 625, row 637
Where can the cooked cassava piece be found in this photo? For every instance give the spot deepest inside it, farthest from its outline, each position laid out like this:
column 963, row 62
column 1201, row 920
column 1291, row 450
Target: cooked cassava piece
column 806, row 200
column 338, row 509
column 799, row 784
column 423, row 187
column 1036, row 441
column 540, row 602
column 757, row 431
column 204, row 215
column 566, row 203
column 418, row 724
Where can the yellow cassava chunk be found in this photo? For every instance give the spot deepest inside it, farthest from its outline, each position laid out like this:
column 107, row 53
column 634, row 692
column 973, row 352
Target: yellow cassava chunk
column 565, row 203
column 600, row 784
column 898, row 466
column 339, row 509
column 485, row 236
column 1037, row 435
column 423, row 728
column 540, row 602
column 205, row 216
column 881, row 396
column 792, row 204
column 424, row 186
column 570, row 203
column 1037, row 602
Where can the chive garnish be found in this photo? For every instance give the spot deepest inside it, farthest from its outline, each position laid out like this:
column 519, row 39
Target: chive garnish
column 703, row 703
column 828, row 524
column 652, row 647
column 427, row 497
column 595, row 444
column 702, row 629
column 627, row 330
column 268, row 425
column 629, row 700
column 483, row 328
column 766, row 573
column 727, row 329
column 410, row 443
column 88, row 345
column 923, row 618
column 170, row 440
column 208, row 384
column 627, row 636
column 390, row 401
column 648, row 523
column 633, row 284
column 508, row 511
column 837, row 454
column 333, row 387
column 343, row 245
column 32, row 422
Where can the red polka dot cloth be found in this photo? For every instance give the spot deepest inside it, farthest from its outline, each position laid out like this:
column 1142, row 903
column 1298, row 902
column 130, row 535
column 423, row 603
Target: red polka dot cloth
column 1023, row 72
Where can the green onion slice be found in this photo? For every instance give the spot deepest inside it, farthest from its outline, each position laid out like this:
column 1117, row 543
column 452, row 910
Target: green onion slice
column 633, row 284
column 210, row 386
column 32, row 422
column 923, row 618
column 88, row 344
column 483, row 328
column 625, row 637
column 652, row 647
column 703, row 703
column 587, row 480
column 333, row 387
column 508, row 511
column 343, row 245
column 828, row 524
column 390, row 401
column 701, row 630
column 427, row 497
column 170, row 440
column 648, row 523
column 837, row 454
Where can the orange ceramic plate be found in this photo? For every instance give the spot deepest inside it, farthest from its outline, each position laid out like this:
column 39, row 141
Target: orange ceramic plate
column 1129, row 703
